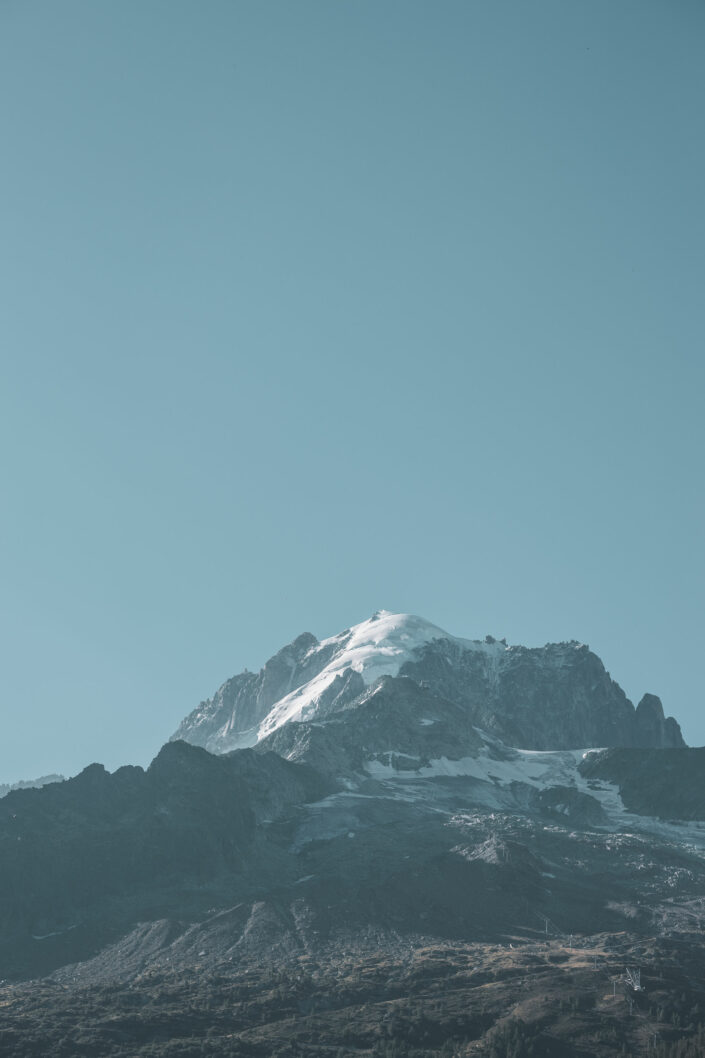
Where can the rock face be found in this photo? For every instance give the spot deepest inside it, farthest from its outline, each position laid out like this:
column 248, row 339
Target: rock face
column 653, row 729
column 666, row 784
column 553, row 697
column 237, row 708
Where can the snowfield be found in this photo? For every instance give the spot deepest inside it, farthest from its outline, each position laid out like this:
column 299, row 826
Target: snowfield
column 542, row 770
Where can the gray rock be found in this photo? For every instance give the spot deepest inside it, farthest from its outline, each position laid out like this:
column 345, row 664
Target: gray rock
column 555, row 697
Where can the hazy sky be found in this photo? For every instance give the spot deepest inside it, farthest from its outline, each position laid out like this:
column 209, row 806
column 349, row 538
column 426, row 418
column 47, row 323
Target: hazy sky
column 314, row 308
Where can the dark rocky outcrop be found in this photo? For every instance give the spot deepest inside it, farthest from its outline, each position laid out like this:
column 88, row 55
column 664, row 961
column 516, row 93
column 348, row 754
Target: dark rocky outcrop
column 555, row 697
column 666, row 783
column 652, row 728
column 86, row 856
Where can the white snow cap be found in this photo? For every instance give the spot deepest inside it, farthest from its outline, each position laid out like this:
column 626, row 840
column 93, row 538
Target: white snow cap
column 376, row 647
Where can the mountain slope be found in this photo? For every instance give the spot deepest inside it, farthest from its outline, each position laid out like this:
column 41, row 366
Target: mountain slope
column 250, row 857
column 99, row 852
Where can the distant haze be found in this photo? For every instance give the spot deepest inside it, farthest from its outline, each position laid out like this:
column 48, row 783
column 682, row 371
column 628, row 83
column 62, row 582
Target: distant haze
column 314, row 309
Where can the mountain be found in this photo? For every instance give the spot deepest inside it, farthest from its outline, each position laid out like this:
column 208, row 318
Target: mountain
column 28, row 784
column 553, row 697
column 423, row 851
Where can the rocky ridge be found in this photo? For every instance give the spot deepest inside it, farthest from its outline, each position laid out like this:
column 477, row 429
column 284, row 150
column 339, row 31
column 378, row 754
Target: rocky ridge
column 554, row 697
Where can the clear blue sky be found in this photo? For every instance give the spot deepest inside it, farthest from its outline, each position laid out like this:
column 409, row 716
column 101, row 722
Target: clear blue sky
column 314, row 308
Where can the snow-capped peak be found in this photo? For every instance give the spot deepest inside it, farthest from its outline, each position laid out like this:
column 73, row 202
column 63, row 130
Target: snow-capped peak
column 305, row 678
column 554, row 697
column 376, row 647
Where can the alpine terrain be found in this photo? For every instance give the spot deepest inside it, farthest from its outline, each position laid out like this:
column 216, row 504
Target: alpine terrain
column 389, row 842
